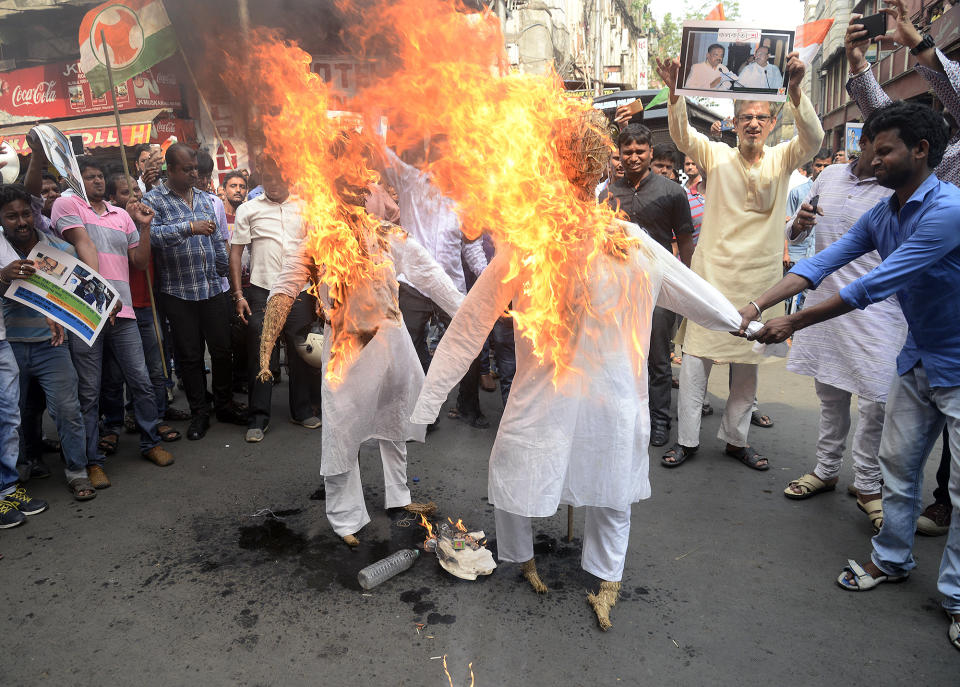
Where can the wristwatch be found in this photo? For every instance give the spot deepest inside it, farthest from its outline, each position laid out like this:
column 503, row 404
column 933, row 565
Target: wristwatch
column 923, row 45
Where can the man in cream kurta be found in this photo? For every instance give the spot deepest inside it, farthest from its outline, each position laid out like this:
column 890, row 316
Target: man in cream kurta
column 740, row 248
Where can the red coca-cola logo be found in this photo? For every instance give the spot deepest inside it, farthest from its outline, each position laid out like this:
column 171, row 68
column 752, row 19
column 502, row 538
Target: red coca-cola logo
column 43, row 92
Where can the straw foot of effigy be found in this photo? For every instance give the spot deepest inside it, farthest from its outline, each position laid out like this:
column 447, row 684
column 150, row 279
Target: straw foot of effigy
column 529, row 571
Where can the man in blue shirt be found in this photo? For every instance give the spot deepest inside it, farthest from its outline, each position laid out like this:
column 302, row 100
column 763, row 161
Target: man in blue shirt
column 915, row 232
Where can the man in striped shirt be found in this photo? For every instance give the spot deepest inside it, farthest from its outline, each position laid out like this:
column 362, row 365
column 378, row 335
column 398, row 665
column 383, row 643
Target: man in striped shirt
column 117, row 243
column 852, row 354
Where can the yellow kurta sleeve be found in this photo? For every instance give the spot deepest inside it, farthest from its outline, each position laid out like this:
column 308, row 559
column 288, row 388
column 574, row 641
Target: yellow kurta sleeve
column 687, row 139
column 802, row 147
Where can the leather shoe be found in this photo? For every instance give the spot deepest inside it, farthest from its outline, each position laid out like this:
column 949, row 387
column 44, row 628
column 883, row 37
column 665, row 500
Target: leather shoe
column 198, row 427
column 659, row 434
column 234, row 414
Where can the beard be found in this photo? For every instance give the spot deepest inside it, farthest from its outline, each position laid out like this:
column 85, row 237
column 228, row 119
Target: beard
column 748, row 146
column 892, row 178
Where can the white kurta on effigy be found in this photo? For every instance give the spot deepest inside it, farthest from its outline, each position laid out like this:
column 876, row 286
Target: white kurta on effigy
column 380, row 384
column 583, row 441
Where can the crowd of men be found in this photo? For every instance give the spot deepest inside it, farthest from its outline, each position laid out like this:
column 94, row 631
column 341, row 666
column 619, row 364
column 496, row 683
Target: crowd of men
column 790, row 230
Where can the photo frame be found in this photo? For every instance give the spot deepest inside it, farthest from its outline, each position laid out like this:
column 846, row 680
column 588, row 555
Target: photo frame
column 734, row 59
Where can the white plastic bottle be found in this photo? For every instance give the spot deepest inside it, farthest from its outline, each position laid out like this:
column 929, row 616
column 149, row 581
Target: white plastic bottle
column 384, row 569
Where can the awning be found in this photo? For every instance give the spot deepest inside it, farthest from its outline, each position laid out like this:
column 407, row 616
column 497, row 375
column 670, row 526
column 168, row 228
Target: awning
column 97, row 132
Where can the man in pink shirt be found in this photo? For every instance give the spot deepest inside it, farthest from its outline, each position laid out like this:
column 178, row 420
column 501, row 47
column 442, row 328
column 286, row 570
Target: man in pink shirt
column 107, row 239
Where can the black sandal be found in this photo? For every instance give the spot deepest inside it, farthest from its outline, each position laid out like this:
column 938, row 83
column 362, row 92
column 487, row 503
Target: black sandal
column 679, row 454
column 749, row 457
column 760, row 420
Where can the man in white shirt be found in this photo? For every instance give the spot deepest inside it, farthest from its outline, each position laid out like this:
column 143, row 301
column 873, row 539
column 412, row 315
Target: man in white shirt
column 709, row 74
column 761, row 73
column 270, row 225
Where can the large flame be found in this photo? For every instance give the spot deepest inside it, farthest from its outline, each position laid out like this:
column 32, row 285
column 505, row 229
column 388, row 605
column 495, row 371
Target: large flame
column 500, row 150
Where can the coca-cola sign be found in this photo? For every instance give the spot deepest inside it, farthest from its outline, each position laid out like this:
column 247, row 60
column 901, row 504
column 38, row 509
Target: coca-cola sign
column 58, row 91
column 43, row 92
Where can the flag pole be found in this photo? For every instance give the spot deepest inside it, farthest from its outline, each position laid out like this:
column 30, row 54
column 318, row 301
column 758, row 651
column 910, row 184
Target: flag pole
column 206, row 107
column 126, row 171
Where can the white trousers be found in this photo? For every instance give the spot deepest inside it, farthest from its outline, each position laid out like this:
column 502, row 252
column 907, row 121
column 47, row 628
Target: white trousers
column 606, row 533
column 346, row 509
column 735, row 423
column 834, row 427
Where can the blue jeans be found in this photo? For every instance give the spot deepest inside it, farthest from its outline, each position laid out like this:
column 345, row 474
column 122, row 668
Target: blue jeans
column 505, row 353
column 9, row 419
column 123, row 338
column 52, row 367
column 111, row 393
column 916, row 414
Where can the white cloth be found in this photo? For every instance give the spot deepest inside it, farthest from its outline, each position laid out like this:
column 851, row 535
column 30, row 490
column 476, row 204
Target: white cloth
column 735, row 424
column 702, row 75
column 856, row 352
column 606, row 534
column 380, row 385
column 346, row 509
column 431, row 218
column 755, row 76
column 7, row 255
column 834, row 427
column 273, row 231
column 584, row 441
column 796, row 179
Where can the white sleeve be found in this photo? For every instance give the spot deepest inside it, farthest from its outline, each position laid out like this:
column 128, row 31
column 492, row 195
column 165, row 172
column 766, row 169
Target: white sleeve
column 464, row 338
column 474, row 256
column 424, row 273
column 294, row 273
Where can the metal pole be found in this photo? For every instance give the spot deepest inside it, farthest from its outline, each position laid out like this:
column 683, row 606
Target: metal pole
column 569, row 523
column 126, row 171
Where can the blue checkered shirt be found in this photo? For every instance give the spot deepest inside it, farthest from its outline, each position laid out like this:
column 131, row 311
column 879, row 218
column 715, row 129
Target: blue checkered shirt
column 189, row 266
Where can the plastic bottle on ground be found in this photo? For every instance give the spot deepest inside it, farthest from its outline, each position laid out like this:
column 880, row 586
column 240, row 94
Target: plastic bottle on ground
column 384, row 569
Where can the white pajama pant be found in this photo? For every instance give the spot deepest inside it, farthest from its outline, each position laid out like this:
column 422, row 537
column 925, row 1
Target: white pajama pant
column 735, row 423
column 606, row 533
column 346, row 510
column 834, row 427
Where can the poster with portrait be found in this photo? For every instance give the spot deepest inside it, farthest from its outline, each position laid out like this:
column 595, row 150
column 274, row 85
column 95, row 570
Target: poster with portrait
column 734, row 59
column 67, row 291
column 59, row 152
column 854, row 130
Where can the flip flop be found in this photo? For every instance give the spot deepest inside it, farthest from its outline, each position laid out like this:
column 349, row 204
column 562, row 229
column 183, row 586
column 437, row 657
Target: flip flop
column 760, row 420
column 679, row 454
column 862, row 580
column 810, row 485
column 749, row 457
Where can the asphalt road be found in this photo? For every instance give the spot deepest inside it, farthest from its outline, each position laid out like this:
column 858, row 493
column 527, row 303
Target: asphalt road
column 177, row 576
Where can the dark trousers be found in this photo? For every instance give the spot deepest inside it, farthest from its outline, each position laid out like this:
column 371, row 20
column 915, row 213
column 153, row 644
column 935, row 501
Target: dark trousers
column 304, row 379
column 417, row 310
column 193, row 324
column 659, row 374
column 942, row 494
column 505, row 353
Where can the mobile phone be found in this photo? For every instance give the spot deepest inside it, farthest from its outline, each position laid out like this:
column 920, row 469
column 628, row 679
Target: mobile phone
column 875, row 24
column 76, row 143
column 813, row 201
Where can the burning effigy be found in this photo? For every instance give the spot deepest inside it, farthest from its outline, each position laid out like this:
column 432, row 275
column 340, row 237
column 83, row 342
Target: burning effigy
column 460, row 552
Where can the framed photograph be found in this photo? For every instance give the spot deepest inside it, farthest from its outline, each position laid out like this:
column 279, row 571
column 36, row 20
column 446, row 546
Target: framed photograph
column 734, row 59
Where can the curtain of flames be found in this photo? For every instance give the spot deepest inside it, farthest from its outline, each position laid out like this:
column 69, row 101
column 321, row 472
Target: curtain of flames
column 501, row 157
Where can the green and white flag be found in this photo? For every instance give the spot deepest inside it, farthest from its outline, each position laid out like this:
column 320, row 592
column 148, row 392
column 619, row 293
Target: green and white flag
column 138, row 34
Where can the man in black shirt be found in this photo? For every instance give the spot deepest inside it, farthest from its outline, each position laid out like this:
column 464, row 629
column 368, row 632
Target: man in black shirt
column 660, row 207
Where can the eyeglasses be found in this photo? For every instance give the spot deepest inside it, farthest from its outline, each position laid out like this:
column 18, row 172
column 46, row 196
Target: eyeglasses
column 745, row 118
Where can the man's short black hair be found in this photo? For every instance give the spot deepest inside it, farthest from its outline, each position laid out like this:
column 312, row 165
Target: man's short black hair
column 715, row 45
column 85, row 162
column 47, row 176
column 140, row 150
column 170, row 157
column 12, row 192
column 914, row 123
column 666, row 151
column 232, row 175
column 823, row 154
column 204, row 163
column 635, row 133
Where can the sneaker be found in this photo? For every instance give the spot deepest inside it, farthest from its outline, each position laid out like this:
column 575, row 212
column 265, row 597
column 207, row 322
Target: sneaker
column 935, row 520
column 10, row 516
column 98, row 477
column 254, row 435
column 159, row 456
column 312, row 422
column 28, row 505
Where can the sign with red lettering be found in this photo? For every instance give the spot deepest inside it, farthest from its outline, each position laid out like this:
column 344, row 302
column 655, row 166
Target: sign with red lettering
column 57, row 91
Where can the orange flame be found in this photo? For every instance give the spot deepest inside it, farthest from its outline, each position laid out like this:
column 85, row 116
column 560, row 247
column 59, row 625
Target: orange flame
column 428, row 527
column 447, row 672
column 458, row 524
column 496, row 149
